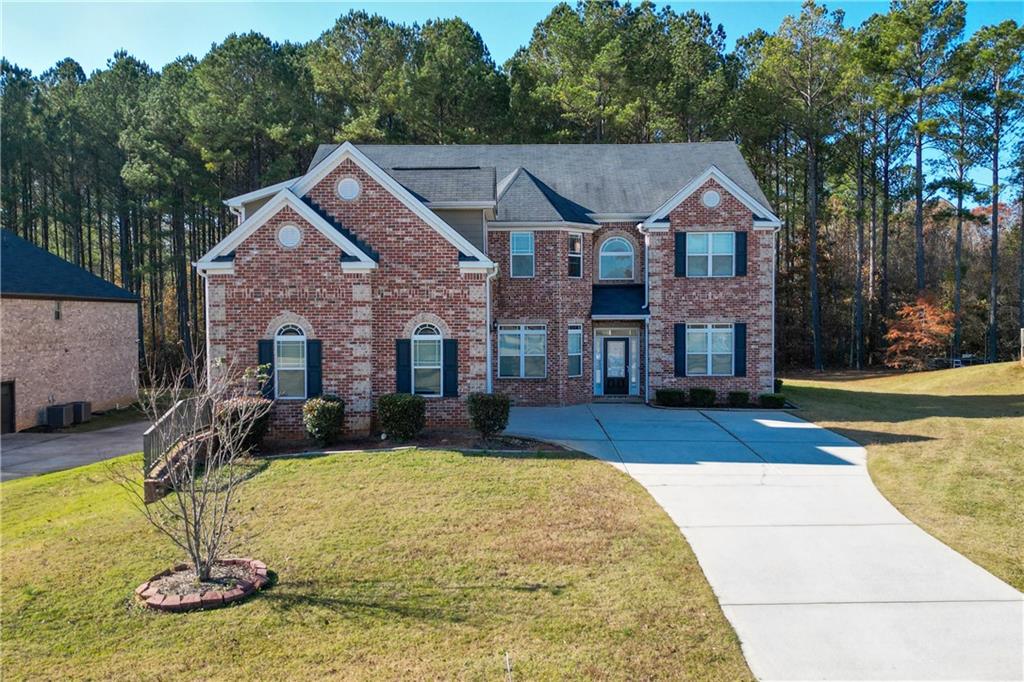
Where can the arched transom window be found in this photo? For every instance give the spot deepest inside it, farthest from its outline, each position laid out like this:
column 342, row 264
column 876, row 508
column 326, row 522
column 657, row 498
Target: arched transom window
column 426, row 360
column 290, row 363
column 616, row 260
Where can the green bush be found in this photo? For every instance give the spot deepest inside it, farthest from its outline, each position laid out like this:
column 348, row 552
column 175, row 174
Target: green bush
column 739, row 398
column 778, row 385
column 402, row 415
column 702, row 397
column 670, row 397
column 489, row 412
column 772, row 400
column 324, row 418
column 236, row 409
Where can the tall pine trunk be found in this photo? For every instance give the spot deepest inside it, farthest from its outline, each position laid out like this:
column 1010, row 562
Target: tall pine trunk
column 812, row 226
column 993, row 303
column 858, row 312
column 919, row 198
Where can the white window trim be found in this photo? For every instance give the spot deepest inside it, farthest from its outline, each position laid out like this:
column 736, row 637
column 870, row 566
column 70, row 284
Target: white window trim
column 523, row 330
column 708, row 328
column 575, row 329
column 576, row 235
column 512, row 253
column 305, row 361
column 632, row 260
column 439, row 338
column 709, row 254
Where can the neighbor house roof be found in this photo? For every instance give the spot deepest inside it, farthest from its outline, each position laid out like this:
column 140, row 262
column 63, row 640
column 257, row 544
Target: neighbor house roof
column 574, row 180
column 31, row 272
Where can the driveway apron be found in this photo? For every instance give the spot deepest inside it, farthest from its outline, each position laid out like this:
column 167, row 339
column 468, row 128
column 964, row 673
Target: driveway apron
column 820, row 576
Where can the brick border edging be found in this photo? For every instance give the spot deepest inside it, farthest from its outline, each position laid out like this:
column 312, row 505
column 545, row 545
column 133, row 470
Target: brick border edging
column 152, row 599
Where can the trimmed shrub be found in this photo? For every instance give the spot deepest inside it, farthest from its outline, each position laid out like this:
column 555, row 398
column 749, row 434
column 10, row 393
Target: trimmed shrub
column 489, row 412
column 739, row 398
column 235, row 409
column 402, row 415
column 702, row 397
column 778, row 385
column 772, row 400
column 324, row 418
column 670, row 397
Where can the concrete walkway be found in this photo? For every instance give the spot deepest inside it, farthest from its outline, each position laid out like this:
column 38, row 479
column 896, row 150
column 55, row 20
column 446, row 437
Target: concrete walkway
column 26, row 454
column 820, row 576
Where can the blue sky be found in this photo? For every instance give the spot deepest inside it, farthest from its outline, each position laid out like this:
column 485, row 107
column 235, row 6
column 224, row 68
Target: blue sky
column 37, row 34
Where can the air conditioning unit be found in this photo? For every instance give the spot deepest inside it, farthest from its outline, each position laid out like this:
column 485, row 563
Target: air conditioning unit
column 60, row 416
column 82, row 410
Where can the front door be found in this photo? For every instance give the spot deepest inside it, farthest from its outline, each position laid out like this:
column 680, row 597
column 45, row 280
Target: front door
column 616, row 366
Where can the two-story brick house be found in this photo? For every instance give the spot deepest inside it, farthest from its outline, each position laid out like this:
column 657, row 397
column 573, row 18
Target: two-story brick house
column 554, row 273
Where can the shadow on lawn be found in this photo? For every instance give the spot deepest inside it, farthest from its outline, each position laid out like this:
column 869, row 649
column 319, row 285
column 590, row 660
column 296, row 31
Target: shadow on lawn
column 423, row 601
column 856, row 406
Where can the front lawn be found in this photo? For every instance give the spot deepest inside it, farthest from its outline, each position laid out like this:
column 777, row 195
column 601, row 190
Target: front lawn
column 946, row 447
column 411, row 564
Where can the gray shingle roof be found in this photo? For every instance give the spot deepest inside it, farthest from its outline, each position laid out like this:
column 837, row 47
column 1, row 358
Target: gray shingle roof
column 447, row 184
column 523, row 197
column 27, row 270
column 593, row 178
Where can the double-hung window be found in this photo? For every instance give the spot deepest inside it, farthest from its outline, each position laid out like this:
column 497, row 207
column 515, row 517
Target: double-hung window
column 290, row 363
column 575, row 255
column 521, row 249
column 575, row 350
column 710, row 254
column 709, row 349
column 426, row 360
column 522, row 351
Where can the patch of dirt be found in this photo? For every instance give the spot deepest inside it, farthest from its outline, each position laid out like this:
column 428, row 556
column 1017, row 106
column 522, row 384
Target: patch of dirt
column 223, row 577
column 438, row 439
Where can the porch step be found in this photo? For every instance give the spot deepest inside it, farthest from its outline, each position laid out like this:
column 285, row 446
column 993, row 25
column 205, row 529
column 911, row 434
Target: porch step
column 618, row 399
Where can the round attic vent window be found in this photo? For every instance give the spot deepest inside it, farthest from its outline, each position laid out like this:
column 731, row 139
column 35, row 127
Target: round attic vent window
column 711, row 198
column 348, row 188
column 289, row 236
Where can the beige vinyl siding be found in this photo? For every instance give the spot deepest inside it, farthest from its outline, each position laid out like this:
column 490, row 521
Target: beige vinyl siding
column 467, row 222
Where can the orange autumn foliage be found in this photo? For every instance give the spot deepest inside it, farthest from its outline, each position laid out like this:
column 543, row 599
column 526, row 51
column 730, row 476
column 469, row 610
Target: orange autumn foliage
column 921, row 329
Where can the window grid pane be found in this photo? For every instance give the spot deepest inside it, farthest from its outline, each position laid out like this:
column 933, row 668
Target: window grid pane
column 721, row 266
column 522, row 351
column 721, row 243
column 291, row 383
column 697, row 243
column 522, row 265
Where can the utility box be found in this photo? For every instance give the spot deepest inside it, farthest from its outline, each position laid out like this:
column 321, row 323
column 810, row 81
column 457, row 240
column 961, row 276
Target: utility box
column 81, row 411
column 60, row 416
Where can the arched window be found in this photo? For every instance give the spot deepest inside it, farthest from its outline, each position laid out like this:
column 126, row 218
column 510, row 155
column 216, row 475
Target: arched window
column 426, row 360
column 290, row 363
column 616, row 260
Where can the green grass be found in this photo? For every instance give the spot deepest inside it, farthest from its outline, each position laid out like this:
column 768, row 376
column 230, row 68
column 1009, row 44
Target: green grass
column 945, row 447
column 410, row 564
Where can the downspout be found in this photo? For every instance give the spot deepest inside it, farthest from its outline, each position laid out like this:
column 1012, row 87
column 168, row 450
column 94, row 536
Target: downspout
column 206, row 320
column 647, row 320
column 487, row 297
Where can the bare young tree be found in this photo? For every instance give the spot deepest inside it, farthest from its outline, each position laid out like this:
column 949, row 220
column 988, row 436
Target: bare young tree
column 206, row 423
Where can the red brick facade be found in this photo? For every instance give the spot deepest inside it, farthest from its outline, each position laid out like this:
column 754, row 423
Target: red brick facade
column 359, row 315
column 748, row 299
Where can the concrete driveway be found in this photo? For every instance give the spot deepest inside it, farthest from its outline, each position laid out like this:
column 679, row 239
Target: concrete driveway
column 820, row 576
column 26, row 454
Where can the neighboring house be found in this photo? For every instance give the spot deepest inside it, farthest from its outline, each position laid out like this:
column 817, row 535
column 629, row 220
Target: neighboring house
column 554, row 273
column 65, row 335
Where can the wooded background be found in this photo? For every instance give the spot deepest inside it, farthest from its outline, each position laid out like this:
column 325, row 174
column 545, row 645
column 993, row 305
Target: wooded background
column 892, row 150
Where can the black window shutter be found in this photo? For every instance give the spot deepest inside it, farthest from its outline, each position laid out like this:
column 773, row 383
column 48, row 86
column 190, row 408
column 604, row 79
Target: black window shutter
column 680, row 254
column 403, row 366
column 739, row 339
column 314, row 368
column 266, row 357
column 450, row 371
column 741, row 254
column 680, row 348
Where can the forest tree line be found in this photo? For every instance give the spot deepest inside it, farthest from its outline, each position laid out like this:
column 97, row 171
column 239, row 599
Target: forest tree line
column 868, row 141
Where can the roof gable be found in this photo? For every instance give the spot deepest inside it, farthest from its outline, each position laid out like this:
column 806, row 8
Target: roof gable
column 355, row 257
column 30, row 271
column 348, row 151
column 762, row 214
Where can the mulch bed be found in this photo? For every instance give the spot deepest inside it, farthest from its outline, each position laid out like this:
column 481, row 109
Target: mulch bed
column 447, row 439
column 177, row 589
